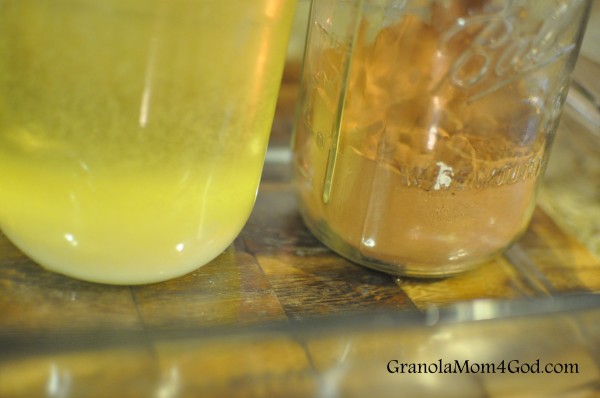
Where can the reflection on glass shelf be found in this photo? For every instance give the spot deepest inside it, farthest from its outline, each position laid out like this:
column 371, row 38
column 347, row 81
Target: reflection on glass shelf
column 571, row 190
column 533, row 348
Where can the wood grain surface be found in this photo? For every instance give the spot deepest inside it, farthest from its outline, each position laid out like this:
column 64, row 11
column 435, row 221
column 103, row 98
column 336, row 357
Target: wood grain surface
column 276, row 271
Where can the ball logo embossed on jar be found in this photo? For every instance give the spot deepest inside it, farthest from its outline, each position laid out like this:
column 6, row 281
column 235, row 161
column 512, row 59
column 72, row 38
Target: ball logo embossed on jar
column 421, row 141
column 502, row 50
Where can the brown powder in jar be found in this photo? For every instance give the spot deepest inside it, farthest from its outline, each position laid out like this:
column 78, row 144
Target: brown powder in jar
column 424, row 176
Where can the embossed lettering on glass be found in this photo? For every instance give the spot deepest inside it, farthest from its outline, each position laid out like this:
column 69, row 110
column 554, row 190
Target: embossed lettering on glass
column 424, row 126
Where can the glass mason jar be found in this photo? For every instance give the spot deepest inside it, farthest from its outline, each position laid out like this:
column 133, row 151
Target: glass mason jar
column 424, row 127
column 133, row 133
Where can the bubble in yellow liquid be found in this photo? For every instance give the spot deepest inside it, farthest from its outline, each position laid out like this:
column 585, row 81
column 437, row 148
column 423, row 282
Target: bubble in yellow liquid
column 132, row 133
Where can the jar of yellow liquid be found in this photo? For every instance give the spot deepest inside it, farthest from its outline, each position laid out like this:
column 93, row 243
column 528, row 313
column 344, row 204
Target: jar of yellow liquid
column 133, row 132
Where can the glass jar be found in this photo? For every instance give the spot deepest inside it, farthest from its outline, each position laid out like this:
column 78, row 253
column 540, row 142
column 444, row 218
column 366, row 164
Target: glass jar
column 424, row 126
column 133, row 133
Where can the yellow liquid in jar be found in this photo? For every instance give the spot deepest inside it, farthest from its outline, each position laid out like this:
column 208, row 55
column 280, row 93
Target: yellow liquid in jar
column 132, row 133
